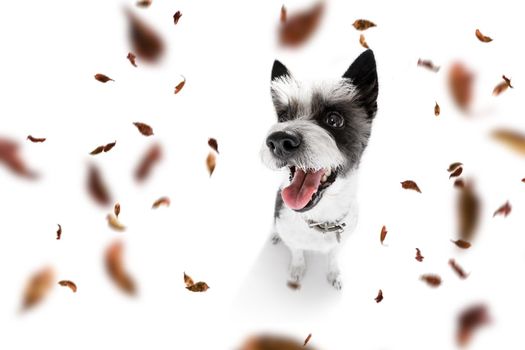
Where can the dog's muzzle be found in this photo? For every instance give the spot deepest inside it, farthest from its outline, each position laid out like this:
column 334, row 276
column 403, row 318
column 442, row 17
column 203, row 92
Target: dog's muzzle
column 283, row 145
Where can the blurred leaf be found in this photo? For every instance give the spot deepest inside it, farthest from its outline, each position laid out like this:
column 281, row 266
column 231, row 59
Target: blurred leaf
column 431, row 280
column 510, row 138
column 176, row 17
column 469, row 320
column 363, row 24
column 103, row 78
column 504, row 210
column 144, row 129
column 379, row 296
column 383, row 234
column 96, row 187
column 461, row 273
column 460, row 81
column 145, row 41
column 152, row 156
column 468, row 207
column 428, row 64
column 115, row 268
column 482, row 37
column 38, row 287
column 300, row 26
column 419, row 257
column 35, row 139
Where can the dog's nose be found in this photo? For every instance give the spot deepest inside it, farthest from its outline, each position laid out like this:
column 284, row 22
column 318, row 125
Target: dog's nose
column 282, row 144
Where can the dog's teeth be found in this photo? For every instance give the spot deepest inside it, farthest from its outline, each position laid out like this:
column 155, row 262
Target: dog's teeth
column 328, row 172
column 324, row 178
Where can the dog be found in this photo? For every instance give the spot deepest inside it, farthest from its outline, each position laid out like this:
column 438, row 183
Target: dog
column 322, row 129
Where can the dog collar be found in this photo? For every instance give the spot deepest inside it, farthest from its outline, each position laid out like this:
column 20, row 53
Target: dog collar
column 336, row 227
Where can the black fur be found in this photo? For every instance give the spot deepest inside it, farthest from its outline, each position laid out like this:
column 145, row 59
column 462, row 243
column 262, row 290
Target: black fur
column 279, row 70
column 278, row 205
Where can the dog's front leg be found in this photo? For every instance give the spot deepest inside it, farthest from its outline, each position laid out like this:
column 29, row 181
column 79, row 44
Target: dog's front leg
column 297, row 266
column 334, row 274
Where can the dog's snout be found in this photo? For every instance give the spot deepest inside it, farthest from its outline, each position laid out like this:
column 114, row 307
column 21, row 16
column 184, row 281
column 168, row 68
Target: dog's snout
column 282, row 144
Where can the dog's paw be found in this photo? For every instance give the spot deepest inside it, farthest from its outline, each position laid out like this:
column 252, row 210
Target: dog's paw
column 275, row 239
column 296, row 273
column 334, row 278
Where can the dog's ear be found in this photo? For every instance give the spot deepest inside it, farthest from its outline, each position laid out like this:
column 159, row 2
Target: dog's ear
column 362, row 73
column 279, row 70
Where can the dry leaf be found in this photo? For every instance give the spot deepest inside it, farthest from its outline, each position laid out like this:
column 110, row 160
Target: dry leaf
column 59, row 231
column 114, row 223
column 96, row 187
column 152, row 156
column 459, row 183
column 213, row 144
column 428, row 65
column 144, row 129
column 431, row 280
column 283, row 14
column 38, row 287
column 268, row 342
column 507, row 80
column 454, row 166
column 468, row 206
column 131, row 57
column 523, row 180
column 146, row 43
column 482, row 37
column 97, row 150
column 363, row 42
column 469, row 320
column 437, row 110
column 307, row 339
column 115, row 268
column 116, row 209
column 188, row 280
column 419, row 257
column 103, row 78
column 456, row 172
column 180, row 85
column 502, row 86
column 363, row 24
column 161, row 201
column 379, row 297
column 410, row 185
column 70, row 284
column 511, row 139
column 35, row 139
column 504, row 210
column 198, row 287
column 460, row 81
column 210, row 163
column 11, row 158
column 383, row 234
column 461, row 244
column 144, row 3
column 461, row 273
column 299, row 27
column 176, row 17
column 109, row 146
column 293, row 285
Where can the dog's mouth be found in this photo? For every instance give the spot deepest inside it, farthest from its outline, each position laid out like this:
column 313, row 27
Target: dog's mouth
column 306, row 187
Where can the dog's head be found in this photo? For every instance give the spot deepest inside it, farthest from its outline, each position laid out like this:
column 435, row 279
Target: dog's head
column 322, row 128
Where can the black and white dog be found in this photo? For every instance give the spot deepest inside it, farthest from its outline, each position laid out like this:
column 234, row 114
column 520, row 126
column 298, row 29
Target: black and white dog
column 321, row 133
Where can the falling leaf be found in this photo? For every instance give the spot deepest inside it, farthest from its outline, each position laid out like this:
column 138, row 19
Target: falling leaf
column 379, row 297
column 35, row 139
column 213, row 144
column 511, row 139
column 116, row 209
column 410, row 185
column 70, row 284
column 188, row 280
column 504, row 210
column 293, row 285
column 114, row 223
column 456, row 172
column 502, row 86
column 299, row 27
column 176, row 17
column 152, row 156
column 460, row 81
column 145, row 41
column 469, row 320
column 419, row 257
column 461, row 244
column 210, row 163
column 283, row 14
column 428, row 65
column 144, row 3
column 198, row 287
column 131, row 57
column 59, row 231
column 431, row 280
column 454, row 166
column 115, row 268
column 269, row 342
column 38, row 287
column 383, row 234
column 307, row 339
column 161, row 201
column 96, row 187
column 97, row 150
column 10, row 156
column 437, row 110
column 109, row 146
column 459, row 183
column 180, row 85
column 103, row 78
column 144, row 129
column 468, row 206
column 363, row 42
column 507, row 80
column 482, row 37
column 363, row 24
column 461, row 273
column 523, row 180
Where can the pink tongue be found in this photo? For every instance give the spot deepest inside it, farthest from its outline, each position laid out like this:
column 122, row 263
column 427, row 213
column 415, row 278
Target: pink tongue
column 303, row 186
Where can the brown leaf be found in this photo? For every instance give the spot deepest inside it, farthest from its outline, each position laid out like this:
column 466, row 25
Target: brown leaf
column 504, row 210
column 115, row 268
column 188, row 280
column 283, row 14
column 144, row 129
column 210, row 163
column 59, row 231
column 379, row 297
column 428, row 64
column 131, row 57
column 269, row 342
column 456, row 172
column 114, row 223
column 500, row 88
column 109, row 146
column 419, row 257
column 144, row 3
column 293, row 285
column 363, row 42
column 213, row 144
column 198, row 287
column 507, row 81
column 152, row 156
column 307, row 339
column 460, row 81
column 176, row 17
column 468, row 206
column 161, row 201
column 454, row 166
column 96, row 187
column 38, row 287
column 363, row 24
column 145, row 41
column 180, row 85
column 469, row 320
column 70, row 284
column 103, row 78
column 383, row 234
column 437, row 110
column 461, row 244
column 299, row 27
column 459, row 183
column 116, row 209
column 523, row 180
column 410, row 185
column 482, row 37
column 10, row 156
column 461, row 273
column 511, row 139
column 97, row 150
column 35, row 139
column 431, row 280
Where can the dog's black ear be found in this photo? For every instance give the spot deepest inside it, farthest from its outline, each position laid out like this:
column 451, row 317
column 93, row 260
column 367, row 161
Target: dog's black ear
column 279, row 70
column 363, row 75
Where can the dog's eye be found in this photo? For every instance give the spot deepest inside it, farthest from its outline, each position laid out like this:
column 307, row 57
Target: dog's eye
column 334, row 120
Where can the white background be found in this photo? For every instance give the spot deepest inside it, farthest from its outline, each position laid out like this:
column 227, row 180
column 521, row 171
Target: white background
column 217, row 228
